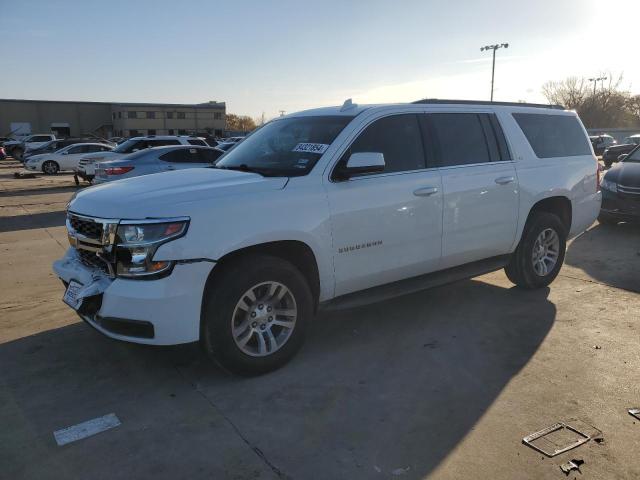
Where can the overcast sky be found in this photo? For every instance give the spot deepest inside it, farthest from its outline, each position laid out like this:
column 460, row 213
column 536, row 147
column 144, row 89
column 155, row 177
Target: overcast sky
column 266, row 56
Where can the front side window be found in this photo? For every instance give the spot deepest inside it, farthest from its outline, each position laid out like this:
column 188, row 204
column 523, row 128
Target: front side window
column 553, row 136
column 197, row 141
column 286, row 147
column 397, row 137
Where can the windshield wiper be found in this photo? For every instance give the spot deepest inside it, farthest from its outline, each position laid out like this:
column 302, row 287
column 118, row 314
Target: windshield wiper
column 241, row 168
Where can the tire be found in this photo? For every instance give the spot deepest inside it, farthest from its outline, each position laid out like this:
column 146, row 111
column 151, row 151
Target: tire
column 222, row 311
column 17, row 153
column 523, row 269
column 605, row 219
column 608, row 164
column 50, row 167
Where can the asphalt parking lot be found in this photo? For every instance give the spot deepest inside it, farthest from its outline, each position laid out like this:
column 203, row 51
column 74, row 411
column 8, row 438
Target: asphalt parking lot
column 442, row 384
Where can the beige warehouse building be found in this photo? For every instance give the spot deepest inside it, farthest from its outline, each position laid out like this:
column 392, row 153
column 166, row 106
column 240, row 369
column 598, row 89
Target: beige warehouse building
column 69, row 118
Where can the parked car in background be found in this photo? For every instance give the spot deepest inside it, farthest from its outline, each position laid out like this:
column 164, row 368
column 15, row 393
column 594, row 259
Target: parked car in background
column 55, row 145
column 64, row 159
column 3, row 154
column 611, row 154
column 86, row 167
column 341, row 206
column 601, row 142
column 156, row 160
column 16, row 148
column 116, row 140
column 621, row 190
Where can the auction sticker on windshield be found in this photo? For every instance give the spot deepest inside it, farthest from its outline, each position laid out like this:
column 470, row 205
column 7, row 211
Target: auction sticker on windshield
column 318, row 148
column 71, row 295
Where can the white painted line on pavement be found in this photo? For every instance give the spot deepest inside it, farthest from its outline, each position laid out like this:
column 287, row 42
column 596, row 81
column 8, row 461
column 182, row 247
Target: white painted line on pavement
column 86, row 429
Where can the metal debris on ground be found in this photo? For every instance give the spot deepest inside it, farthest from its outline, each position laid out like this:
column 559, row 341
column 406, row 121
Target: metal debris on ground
column 635, row 412
column 556, row 439
column 400, row 471
column 571, row 465
column 597, row 347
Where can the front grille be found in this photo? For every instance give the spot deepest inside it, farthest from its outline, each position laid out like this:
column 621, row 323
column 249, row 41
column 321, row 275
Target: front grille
column 86, row 227
column 91, row 260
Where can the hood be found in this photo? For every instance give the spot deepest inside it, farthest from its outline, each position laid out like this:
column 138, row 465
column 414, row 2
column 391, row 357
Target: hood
column 168, row 193
column 625, row 173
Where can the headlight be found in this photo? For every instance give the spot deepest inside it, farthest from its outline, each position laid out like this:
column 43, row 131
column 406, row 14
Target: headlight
column 137, row 242
column 609, row 185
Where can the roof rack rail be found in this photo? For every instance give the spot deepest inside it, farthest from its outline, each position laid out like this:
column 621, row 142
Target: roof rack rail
column 438, row 101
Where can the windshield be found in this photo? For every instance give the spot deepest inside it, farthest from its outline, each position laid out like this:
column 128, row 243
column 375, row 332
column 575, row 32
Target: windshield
column 634, row 156
column 289, row 147
column 126, row 147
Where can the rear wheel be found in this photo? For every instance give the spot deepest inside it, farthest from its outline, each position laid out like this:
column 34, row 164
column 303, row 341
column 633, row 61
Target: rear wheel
column 538, row 258
column 50, row 167
column 256, row 314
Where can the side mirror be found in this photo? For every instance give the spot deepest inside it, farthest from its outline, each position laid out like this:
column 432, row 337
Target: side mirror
column 622, row 157
column 361, row 163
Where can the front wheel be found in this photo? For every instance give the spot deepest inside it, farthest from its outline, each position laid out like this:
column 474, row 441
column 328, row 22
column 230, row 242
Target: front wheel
column 255, row 314
column 50, row 167
column 538, row 258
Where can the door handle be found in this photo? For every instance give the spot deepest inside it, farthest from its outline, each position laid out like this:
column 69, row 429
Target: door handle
column 425, row 191
column 505, row 180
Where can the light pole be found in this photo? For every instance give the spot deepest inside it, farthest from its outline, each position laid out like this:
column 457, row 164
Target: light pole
column 595, row 81
column 493, row 64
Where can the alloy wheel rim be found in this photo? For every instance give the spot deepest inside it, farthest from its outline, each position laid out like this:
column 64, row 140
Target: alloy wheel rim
column 49, row 168
column 546, row 251
column 264, row 319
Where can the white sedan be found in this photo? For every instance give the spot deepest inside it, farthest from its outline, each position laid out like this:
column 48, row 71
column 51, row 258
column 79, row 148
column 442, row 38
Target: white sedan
column 66, row 158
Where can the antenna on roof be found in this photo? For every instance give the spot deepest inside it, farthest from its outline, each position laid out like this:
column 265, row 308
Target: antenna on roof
column 347, row 105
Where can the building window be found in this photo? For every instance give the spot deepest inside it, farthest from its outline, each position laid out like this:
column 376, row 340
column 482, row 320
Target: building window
column 217, row 116
column 131, row 114
column 113, row 115
column 169, row 114
column 170, row 132
column 151, row 131
column 181, row 115
column 151, row 114
column 119, row 114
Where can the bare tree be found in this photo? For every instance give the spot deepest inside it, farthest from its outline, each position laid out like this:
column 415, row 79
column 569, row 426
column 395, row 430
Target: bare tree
column 569, row 93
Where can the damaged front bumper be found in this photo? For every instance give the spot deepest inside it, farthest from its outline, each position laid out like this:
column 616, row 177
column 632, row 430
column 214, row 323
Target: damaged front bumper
column 157, row 312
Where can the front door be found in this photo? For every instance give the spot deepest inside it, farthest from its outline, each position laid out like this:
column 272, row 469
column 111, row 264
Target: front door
column 386, row 226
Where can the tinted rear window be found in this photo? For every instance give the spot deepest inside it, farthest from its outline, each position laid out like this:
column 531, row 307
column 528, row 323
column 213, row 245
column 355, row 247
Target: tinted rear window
column 553, row 136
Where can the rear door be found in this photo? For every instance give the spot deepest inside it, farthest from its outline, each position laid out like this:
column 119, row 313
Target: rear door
column 479, row 183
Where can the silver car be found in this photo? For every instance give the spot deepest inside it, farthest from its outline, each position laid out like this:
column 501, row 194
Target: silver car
column 156, row 160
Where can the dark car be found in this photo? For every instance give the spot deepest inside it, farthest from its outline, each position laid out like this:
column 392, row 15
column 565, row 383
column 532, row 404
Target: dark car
column 601, row 142
column 55, row 145
column 621, row 191
column 611, row 154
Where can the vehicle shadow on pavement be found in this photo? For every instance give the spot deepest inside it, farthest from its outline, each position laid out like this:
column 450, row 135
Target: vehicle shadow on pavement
column 39, row 191
column 32, row 221
column 609, row 254
column 395, row 385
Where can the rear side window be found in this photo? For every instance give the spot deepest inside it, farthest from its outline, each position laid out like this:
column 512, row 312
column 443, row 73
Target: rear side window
column 398, row 138
column 159, row 143
column 182, row 155
column 460, row 139
column 553, row 136
column 209, row 155
column 197, row 141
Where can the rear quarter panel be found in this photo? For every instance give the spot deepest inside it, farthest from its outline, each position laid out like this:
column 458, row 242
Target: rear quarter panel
column 572, row 177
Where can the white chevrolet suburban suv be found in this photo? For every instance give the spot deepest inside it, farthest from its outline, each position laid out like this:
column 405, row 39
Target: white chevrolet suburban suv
column 328, row 207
